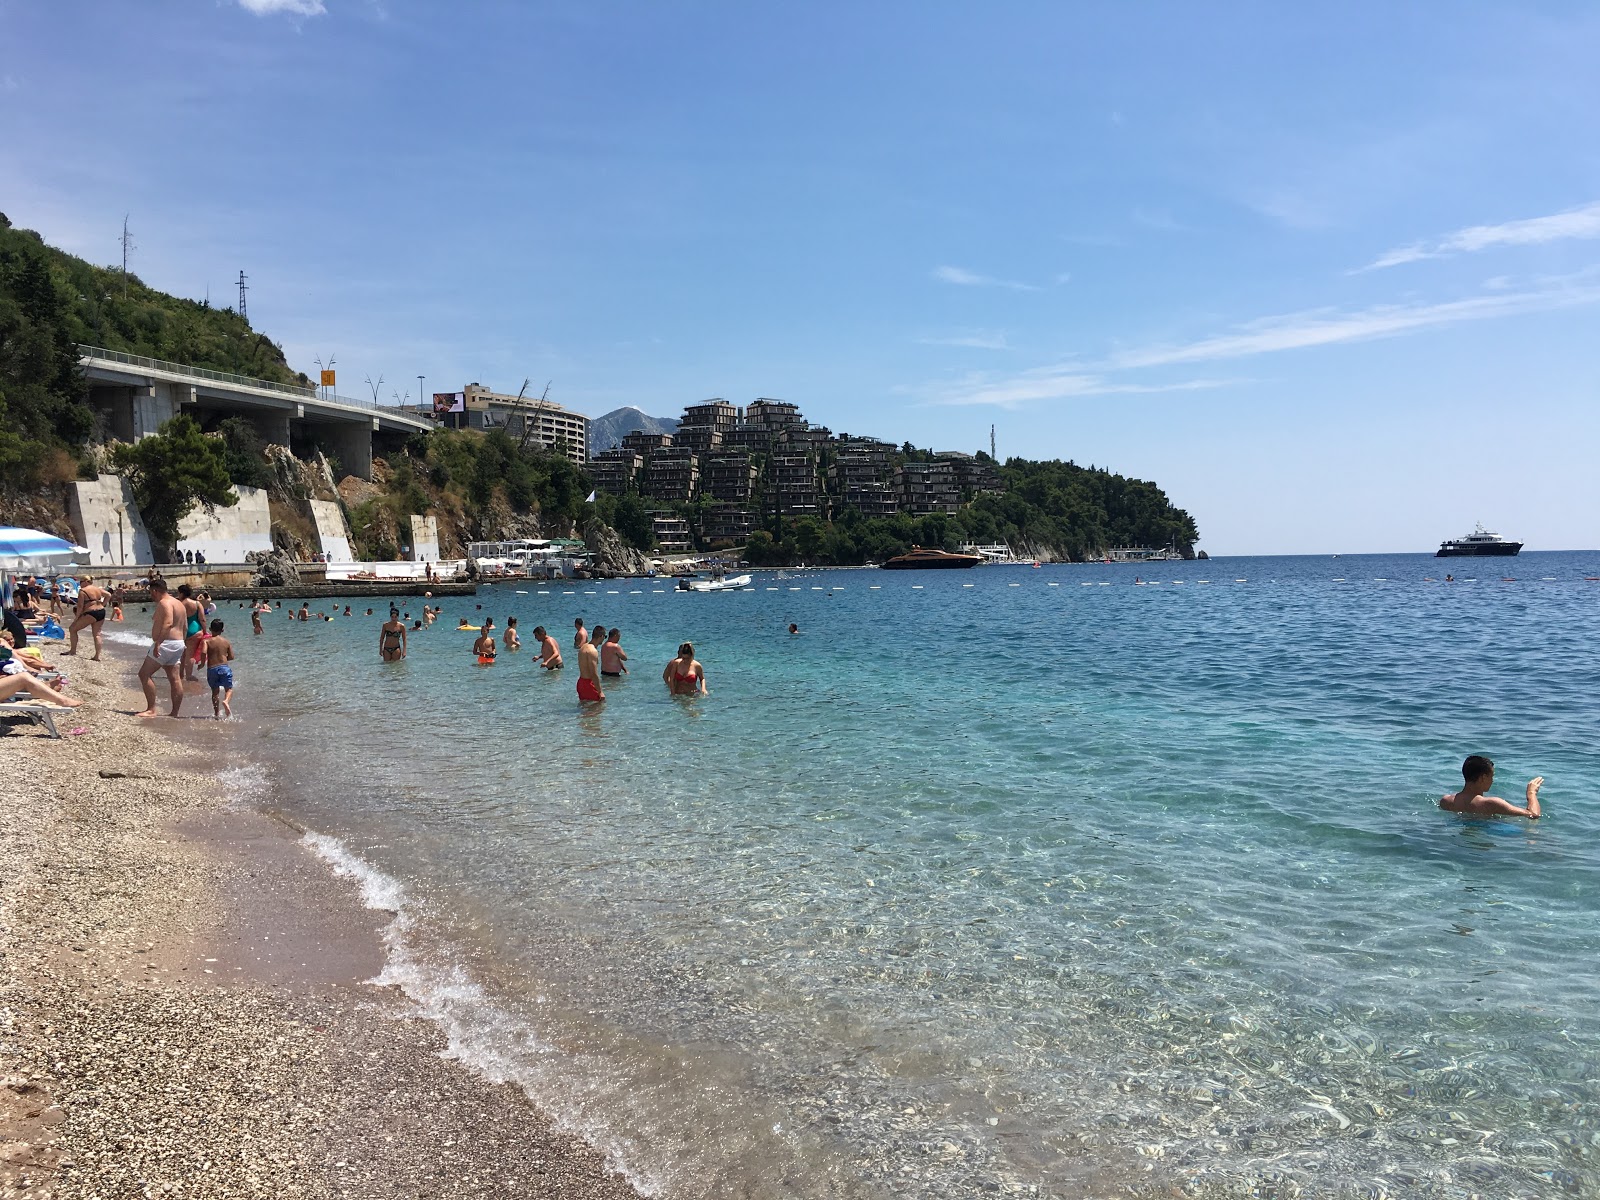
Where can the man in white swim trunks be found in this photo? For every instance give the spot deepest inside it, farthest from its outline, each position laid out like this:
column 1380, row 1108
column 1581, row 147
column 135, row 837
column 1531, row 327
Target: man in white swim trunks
column 166, row 649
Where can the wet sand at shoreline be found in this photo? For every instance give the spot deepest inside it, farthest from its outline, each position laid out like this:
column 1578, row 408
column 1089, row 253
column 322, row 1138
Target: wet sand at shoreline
column 183, row 1005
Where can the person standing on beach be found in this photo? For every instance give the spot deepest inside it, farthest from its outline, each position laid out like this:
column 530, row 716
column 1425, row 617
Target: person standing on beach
column 166, row 652
column 684, row 676
column 589, row 675
column 1478, row 773
column 91, row 611
column 193, row 630
column 219, row 675
column 392, row 638
column 549, row 652
column 613, row 659
column 581, row 637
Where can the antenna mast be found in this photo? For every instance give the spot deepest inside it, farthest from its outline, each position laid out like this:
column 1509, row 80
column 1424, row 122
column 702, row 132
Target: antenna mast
column 991, row 442
column 127, row 245
column 243, row 311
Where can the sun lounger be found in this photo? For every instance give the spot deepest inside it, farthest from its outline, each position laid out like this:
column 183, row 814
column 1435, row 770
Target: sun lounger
column 39, row 714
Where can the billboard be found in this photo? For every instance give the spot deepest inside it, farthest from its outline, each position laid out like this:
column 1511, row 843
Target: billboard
column 449, row 402
column 327, row 379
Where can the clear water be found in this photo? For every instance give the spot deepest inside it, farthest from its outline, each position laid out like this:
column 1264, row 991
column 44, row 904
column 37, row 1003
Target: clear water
column 1008, row 880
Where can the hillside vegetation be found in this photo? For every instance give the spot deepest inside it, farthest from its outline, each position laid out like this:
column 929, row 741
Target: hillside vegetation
column 50, row 302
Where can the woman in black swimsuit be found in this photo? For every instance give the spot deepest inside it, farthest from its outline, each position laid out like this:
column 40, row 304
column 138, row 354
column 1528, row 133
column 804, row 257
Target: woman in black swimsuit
column 392, row 638
column 91, row 612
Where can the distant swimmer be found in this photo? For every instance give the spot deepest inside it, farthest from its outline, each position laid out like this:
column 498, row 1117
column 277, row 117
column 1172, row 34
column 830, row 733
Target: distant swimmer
column 392, row 638
column 549, row 652
column 484, row 648
column 613, row 659
column 1478, row 772
column 684, row 676
column 589, row 674
column 793, row 628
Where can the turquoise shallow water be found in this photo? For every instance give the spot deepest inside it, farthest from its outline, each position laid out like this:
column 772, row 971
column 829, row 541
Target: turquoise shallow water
column 997, row 880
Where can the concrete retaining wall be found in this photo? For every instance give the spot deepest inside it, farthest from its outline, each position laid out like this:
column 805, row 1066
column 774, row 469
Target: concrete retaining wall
column 106, row 519
column 333, row 532
column 424, row 539
column 226, row 535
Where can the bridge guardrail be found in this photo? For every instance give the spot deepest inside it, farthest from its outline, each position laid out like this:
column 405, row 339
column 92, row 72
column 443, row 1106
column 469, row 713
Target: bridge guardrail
column 297, row 390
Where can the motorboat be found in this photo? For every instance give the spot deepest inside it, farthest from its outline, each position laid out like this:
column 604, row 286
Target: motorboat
column 919, row 559
column 1480, row 543
column 729, row 583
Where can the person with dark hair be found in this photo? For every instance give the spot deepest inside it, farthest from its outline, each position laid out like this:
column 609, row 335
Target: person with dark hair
column 613, row 658
column 392, row 638
column 219, row 671
column 166, row 653
column 549, row 652
column 1478, row 773
column 684, row 676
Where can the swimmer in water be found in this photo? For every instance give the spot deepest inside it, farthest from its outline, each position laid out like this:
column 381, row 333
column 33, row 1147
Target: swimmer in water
column 684, row 676
column 484, row 648
column 589, row 675
column 392, row 638
column 549, row 652
column 513, row 639
column 1478, row 772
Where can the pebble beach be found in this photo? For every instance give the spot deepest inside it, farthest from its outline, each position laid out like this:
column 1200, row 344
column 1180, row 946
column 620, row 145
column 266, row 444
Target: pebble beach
column 184, row 1005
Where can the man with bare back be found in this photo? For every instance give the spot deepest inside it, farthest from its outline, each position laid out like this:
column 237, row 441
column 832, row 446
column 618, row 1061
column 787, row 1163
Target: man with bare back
column 166, row 649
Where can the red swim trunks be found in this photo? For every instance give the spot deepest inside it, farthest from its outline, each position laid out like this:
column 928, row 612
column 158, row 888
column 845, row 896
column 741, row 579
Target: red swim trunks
column 588, row 690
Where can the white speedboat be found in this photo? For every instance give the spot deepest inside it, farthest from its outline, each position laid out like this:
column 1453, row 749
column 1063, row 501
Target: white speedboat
column 731, row 583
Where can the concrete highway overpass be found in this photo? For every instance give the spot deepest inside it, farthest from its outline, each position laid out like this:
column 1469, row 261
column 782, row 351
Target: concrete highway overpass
column 134, row 395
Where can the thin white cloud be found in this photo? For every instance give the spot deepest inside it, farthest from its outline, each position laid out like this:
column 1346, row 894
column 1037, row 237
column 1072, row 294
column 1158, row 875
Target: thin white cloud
column 964, row 278
column 1270, row 335
column 972, row 339
column 1053, row 383
column 1535, row 231
column 296, row 8
column 1297, row 331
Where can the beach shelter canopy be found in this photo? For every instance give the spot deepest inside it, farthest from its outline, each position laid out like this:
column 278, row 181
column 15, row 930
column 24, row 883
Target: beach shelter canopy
column 34, row 550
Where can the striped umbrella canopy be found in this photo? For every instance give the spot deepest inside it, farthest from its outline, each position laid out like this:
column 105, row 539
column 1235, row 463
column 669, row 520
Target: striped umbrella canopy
column 33, row 550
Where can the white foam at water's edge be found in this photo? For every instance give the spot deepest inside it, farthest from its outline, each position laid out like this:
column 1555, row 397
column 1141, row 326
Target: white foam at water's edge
column 479, row 1034
column 126, row 637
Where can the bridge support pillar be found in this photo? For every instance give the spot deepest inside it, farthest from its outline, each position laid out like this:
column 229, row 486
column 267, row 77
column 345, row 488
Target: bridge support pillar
column 153, row 406
column 272, row 428
column 351, row 444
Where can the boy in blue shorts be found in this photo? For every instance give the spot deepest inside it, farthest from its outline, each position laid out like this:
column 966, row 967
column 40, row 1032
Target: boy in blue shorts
column 219, row 675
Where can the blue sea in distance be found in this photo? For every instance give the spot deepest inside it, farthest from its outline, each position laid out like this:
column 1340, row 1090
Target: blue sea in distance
column 1004, row 881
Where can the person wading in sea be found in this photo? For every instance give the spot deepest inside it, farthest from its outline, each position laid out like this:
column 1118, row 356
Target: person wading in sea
column 589, row 674
column 392, row 638
column 580, row 636
column 684, row 676
column 549, row 652
column 166, row 649
column 1478, row 773
column 613, row 659
column 91, row 611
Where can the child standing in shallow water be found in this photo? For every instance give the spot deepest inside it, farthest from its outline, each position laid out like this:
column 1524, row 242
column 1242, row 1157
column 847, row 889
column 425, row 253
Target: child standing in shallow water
column 219, row 675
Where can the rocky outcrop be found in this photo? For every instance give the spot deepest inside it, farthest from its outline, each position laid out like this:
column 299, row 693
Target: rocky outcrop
column 277, row 569
column 610, row 554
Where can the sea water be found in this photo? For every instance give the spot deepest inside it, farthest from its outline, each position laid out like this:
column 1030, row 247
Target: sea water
column 1004, row 881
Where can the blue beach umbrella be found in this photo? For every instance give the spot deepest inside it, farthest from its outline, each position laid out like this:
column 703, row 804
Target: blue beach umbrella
column 32, row 549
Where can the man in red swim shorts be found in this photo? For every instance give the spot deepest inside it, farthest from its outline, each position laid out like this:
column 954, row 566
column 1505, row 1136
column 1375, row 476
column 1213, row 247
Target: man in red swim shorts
column 589, row 675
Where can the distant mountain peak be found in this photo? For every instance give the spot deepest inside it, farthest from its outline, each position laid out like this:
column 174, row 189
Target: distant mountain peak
column 607, row 432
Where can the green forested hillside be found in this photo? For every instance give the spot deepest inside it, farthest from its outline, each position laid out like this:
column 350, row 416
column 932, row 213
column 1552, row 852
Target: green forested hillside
column 50, row 302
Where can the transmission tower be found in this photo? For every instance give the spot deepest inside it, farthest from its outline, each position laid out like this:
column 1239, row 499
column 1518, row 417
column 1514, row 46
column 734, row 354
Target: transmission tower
column 127, row 245
column 243, row 311
column 991, row 442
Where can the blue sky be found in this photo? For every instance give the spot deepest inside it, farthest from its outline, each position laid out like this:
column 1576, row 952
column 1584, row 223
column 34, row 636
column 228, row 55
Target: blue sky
column 1331, row 276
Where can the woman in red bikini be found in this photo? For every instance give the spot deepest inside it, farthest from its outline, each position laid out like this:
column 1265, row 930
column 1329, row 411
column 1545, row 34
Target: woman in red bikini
column 684, row 676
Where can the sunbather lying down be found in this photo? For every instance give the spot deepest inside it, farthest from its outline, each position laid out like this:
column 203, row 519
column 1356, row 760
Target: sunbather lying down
column 17, row 687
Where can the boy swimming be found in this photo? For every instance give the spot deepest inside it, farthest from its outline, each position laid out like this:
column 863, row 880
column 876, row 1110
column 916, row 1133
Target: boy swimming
column 1478, row 773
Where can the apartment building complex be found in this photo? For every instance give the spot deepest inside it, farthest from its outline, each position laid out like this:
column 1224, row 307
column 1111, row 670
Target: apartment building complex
column 767, row 460
column 540, row 421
